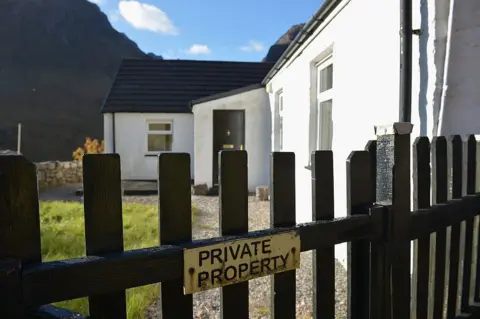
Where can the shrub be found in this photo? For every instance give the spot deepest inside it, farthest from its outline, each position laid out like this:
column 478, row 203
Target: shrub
column 89, row 147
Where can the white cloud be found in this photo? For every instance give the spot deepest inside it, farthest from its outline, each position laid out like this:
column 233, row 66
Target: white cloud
column 98, row 2
column 146, row 17
column 198, row 49
column 253, row 46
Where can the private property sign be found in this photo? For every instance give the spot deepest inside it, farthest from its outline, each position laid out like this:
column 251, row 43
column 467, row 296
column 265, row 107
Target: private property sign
column 235, row 261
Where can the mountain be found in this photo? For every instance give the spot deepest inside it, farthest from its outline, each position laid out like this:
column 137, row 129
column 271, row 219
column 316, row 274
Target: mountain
column 57, row 61
column 154, row 56
column 277, row 49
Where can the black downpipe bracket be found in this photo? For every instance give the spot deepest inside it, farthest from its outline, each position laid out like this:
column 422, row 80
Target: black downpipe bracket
column 405, row 107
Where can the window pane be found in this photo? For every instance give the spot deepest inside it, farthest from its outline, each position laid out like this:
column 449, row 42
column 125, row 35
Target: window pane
column 159, row 143
column 326, row 78
column 159, row 126
column 324, row 125
column 326, row 105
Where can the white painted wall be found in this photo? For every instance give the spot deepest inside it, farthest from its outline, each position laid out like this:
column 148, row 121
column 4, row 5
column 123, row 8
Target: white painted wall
column 365, row 48
column 108, row 132
column 131, row 141
column 446, row 71
column 461, row 103
column 257, row 135
column 365, row 56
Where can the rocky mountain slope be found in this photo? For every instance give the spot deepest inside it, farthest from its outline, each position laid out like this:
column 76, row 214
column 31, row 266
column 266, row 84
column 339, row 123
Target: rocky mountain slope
column 277, row 49
column 57, row 61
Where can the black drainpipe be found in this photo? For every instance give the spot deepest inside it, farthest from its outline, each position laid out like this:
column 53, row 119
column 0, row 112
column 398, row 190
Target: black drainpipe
column 113, row 133
column 405, row 108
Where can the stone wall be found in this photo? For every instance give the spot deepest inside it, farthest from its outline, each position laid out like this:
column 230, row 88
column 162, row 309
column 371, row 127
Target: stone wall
column 59, row 173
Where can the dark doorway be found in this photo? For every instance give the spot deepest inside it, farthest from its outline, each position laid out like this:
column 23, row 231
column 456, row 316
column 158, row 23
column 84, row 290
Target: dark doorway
column 228, row 134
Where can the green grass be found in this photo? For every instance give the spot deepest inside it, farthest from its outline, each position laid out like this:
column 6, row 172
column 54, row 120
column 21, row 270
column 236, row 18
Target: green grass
column 63, row 237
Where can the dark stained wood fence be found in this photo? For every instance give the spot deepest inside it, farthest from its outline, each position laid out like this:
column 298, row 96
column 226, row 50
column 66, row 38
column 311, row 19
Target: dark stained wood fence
column 379, row 229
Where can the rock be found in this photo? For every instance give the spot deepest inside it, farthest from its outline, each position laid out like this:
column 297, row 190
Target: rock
column 57, row 173
column 41, row 176
column 41, row 166
column 200, row 189
column 262, row 193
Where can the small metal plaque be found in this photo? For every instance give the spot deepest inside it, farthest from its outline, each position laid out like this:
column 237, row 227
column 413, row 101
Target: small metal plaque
column 227, row 146
column 240, row 260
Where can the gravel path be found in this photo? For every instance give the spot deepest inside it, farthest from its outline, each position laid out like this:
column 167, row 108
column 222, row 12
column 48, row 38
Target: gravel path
column 207, row 304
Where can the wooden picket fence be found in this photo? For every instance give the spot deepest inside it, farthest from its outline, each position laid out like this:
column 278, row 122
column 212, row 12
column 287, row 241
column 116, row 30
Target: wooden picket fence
column 379, row 229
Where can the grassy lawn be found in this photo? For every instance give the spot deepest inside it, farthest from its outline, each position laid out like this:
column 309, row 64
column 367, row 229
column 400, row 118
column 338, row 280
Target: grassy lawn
column 63, row 236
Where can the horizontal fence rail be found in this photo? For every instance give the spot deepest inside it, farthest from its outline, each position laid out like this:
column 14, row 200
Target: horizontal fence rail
column 80, row 277
column 381, row 223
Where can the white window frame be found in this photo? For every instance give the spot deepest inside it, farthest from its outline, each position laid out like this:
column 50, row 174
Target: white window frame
column 279, row 114
column 158, row 132
column 324, row 124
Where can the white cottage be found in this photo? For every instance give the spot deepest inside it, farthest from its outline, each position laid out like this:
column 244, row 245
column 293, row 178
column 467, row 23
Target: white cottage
column 238, row 119
column 341, row 76
column 148, row 110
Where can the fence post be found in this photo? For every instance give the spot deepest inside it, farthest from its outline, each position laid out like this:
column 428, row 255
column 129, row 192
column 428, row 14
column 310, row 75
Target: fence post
column 103, row 224
column 455, row 172
column 19, row 229
column 470, row 178
column 282, row 214
column 393, row 191
column 323, row 259
column 359, row 201
column 233, row 206
column 421, row 200
column 439, row 195
column 379, row 275
column 175, row 218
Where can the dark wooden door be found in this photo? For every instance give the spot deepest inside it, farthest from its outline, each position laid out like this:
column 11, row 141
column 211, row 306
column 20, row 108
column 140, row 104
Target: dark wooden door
column 228, row 134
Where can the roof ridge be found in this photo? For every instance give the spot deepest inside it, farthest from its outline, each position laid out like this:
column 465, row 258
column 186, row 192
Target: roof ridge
column 159, row 61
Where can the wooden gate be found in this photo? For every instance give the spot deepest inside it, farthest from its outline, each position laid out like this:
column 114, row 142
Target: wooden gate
column 379, row 229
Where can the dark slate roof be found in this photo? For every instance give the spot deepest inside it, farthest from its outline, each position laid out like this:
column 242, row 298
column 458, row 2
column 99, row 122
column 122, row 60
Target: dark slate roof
column 168, row 86
column 226, row 94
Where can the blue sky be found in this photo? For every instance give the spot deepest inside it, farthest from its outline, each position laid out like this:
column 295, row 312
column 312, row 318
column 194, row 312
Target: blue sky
column 237, row 30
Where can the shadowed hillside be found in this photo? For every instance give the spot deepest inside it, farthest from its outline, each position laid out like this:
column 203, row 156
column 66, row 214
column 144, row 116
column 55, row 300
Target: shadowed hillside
column 57, row 62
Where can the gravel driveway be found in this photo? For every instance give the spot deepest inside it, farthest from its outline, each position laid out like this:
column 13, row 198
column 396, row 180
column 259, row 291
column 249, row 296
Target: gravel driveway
column 207, row 304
